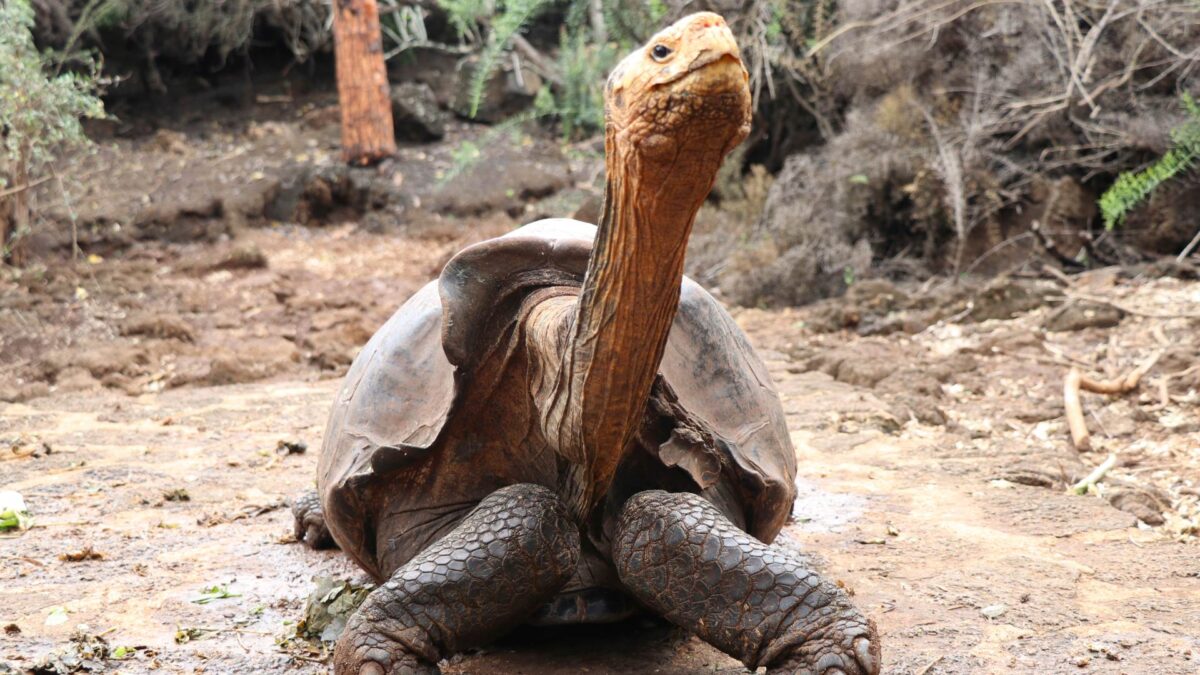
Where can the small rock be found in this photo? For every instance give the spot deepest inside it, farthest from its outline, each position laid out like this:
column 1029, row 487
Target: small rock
column 1037, row 411
column 863, row 365
column 993, row 611
column 1142, row 504
column 12, row 393
column 177, row 495
column 247, row 257
column 1080, row 315
column 1005, row 298
column 76, row 379
column 415, row 113
column 876, row 296
column 1118, row 418
column 170, row 141
column 164, row 326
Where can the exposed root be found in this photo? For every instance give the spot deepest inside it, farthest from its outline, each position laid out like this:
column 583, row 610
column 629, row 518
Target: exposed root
column 1075, row 381
column 1075, row 422
column 1122, row 385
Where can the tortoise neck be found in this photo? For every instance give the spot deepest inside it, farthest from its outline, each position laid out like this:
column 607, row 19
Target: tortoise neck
column 615, row 342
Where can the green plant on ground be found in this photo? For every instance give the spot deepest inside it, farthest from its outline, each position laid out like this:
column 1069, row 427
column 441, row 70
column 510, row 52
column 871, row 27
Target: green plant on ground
column 512, row 17
column 578, row 102
column 40, row 113
column 1132, row 187
column 594, row 35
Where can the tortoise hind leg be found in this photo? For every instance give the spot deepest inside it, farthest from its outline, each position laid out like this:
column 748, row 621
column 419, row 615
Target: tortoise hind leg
column 310, row 521
column 506, row 559
column 680, row 556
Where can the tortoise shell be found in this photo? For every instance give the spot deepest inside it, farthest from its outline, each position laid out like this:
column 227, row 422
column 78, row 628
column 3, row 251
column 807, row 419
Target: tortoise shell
column 416, row 438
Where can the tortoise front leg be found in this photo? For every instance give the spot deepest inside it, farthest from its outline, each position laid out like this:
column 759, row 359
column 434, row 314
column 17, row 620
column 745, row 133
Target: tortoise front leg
column 506, row 559
column 681, row 557
column 310, row 521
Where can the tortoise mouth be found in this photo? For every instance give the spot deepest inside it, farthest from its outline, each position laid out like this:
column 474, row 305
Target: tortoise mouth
column 710, row 72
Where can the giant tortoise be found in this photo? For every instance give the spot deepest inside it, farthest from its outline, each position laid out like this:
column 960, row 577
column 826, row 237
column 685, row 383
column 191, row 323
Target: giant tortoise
column 562, row 428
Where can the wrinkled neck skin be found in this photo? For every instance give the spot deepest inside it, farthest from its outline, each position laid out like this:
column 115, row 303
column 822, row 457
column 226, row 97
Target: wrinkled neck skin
column 592, row 384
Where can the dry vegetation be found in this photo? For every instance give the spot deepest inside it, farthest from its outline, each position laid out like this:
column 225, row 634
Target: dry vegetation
column 944, row 130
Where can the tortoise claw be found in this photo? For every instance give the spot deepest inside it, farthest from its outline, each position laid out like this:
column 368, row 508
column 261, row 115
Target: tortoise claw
column 856, row 653
column 373, row 659
column 867, row 654
column 309, row 524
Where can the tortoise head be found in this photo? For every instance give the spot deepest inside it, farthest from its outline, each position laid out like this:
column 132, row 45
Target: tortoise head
column 685, row 88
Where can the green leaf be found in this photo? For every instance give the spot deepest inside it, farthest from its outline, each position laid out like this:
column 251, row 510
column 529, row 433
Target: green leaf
column 13, row 514
column 1131, row 188
column 213, row 593
column 515, row 16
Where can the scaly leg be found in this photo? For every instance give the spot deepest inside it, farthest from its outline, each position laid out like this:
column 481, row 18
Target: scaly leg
column 681, row 557
column 506, row 559
column 310, row 521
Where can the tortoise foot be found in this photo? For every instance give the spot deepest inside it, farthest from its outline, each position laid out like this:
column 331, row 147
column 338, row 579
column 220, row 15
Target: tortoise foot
column 506, row 559
column 310, row 521
column 380, row 660
column 682, row 558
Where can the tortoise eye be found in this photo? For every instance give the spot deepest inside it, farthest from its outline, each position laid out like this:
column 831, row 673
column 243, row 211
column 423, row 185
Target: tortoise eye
column 660, row 52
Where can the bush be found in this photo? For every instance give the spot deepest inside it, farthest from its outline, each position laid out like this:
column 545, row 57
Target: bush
column 595, row 33
column 40, row 110
column 974, row 129
column 186, row 31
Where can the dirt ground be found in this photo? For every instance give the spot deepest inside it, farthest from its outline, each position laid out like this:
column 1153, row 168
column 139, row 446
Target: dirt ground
column 151, row 385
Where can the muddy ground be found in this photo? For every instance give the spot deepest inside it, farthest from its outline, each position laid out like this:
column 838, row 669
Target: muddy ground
column 152, row 380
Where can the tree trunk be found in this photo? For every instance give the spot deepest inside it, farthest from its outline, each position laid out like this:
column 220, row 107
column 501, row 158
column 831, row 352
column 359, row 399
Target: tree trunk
column 14, row 214
column 367, row 134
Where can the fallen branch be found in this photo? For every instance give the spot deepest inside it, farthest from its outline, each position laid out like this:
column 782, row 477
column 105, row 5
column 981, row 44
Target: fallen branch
column 1122, row 385
column 1076, row 380
column 1164, row 386
column 544, row 66
column 931, row 664
column 1187, row 250
column 21, row 188
column 1075, row 422
column 1089, row 481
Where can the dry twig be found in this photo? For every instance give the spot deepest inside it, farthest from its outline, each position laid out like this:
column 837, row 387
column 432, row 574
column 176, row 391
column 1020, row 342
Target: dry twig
column 1090, row 480
column 1075, row 422
column 1075, row 381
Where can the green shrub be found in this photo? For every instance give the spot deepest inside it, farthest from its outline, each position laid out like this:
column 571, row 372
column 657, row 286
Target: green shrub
column 578, row 103
column 511, row 18
column 40, row 110
column 1132, row 187
column 589, row 47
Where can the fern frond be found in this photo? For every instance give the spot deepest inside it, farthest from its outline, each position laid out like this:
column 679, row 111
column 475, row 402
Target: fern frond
column 1132, row 187
column 516, row 15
